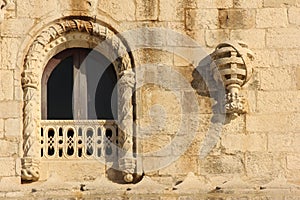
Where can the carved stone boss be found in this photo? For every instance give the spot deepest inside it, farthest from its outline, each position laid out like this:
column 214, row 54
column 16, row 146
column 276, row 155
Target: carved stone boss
column 233, row 62
column 47, row 41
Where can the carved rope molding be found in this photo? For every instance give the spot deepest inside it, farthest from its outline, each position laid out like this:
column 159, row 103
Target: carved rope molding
column 35, row 59
column 125, row 91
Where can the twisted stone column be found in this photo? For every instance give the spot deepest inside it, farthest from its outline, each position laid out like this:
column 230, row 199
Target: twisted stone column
column 127, row 161
column 30, row 161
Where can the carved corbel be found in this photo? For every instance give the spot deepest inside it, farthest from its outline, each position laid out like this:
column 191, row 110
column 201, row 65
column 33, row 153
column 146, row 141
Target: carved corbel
column 127, row 162
column 30, row 161
column 232, row 64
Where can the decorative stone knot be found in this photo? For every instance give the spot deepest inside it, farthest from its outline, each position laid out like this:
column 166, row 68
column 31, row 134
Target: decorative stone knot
column 234, row 103
column 232, row 65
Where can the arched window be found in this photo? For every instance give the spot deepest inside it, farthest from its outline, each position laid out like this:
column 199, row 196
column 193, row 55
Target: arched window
column 79, row 106
column 79, row 84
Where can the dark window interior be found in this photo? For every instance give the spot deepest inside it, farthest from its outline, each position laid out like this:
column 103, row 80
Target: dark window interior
column 100, row 81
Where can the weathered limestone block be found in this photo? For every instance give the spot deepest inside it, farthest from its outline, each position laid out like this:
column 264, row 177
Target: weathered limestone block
column 264, row 166
column 16, row 27
column 146, row 10
column 283, row 142
column 171, row 10
column 265, row 18
column 7, row 166
column 119, row 10
column 237, row 18
column 215, row 37
column 155, row 142
column 214, row 3
column 278, row 102
column 37, row 8
column 254, row 37
column 223, row 164
column 78, row 5
column 6, row 83
column 1, row 128
column 85, row 171
column 283, row 38
column 262, row 54
column 8, row 148
column 9, row 52
column 201, row 18
column 287, row 59
column 13, row 128
column 279, row 3
column 294, row 120
column 294, row 15
column 10, row 109
column 293, row 162
column 267, row 122
column 152, row 56
column 243, row 143
column 297, row 74
column 180, row 166
column 277, row 79
column 247, row 4
column 237, row 126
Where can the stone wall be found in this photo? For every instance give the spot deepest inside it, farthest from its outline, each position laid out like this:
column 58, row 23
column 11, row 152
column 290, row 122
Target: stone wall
column 172, row 99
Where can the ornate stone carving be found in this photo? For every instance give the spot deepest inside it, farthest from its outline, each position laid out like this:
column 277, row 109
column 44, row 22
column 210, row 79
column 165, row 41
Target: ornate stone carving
column 233, row 63
column 79, row 139
column 125, row 113
column 37, row 49
column 30, row 171
column 47, row 41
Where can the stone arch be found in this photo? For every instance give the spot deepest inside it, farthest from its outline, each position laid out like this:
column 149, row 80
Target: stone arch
column 60, row 35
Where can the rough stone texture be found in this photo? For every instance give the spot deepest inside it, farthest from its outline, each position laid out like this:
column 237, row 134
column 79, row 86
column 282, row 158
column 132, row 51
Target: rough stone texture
column 271, row 102
column 283, row 38
column 1, row 128
column 226, row 164
column 147, row 10
column 279, row 3
column 243, row 143
column 282, row 142
column 171, row 10
column 297, row 77
column 293, row 162
column 16, row 27
column 265, row 18
column 254, row 37
column 215, row 37
column 118, row 9
column 247, row 4
column 13, row 127
column 8, row 148
column 277, row 79
column 10, row 109
column 237, row 18
column 214, row 3
column 36, row 9
column 294, row 15
column 264, row 166
column 259, row 146
column 201, row 18
column 269, row 122
column 8, row 167
column 6, row 89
